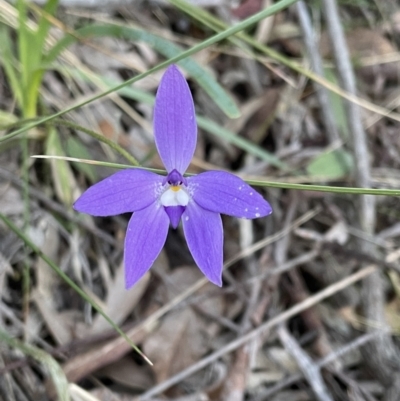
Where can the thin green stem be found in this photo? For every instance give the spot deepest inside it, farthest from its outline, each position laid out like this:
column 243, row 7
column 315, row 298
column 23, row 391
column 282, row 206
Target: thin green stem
column 75, row 287
column 281, row 5
column 256, row 183
column 219, row 26
column 65, row 123
column 97, row 136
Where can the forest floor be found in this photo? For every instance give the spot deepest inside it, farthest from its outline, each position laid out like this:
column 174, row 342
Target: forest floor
column 309, row 307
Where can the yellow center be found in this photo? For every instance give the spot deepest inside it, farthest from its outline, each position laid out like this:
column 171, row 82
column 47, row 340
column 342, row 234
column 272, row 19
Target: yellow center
column 175, row 188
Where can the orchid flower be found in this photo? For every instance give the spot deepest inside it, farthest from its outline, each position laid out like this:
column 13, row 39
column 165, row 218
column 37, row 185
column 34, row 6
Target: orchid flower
column 158, row 202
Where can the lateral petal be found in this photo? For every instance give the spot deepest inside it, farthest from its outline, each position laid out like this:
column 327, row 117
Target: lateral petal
column 175, row 128
column 222, row 192
column 204, row 236
column 145, row 237
column 128, row 190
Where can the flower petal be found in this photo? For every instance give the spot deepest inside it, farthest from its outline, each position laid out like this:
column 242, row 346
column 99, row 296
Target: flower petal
column 174, row 213
column 145, row 237
column 225, row 193
column 126, row 191
column 204, row 236
column 175, row 128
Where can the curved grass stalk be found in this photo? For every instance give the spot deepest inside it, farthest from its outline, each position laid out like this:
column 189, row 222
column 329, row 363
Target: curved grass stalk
column 203, row 122
column 65, row 123
column 281, row 5
column 74, row 286
column 101, row 138
column 217, row 25
column 256, row 183
column 164, row 47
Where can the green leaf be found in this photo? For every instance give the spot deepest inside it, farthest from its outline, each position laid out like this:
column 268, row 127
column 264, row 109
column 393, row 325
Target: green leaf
column 63, row 177
column 331, row 165
column 44, row 24
column 29, row 54
column 9, row 63
column 7, row 119
column 240, row 142
column 337, row 105
column 76, row 148
column 95, row 135
column 163, row 46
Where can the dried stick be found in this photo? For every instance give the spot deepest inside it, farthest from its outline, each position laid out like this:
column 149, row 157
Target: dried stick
column 282, row 317
column 333, row 356
column 291, row 264
column 382, row 354
column 235, row 382
column 316, row 65
column 83, row 364
column 298, row 292
column 358, row 135
column 309, row 368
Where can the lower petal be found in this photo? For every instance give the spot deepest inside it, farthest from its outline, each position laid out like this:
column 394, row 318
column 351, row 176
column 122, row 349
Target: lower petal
column 204, row 236
column 145, row 237
column 174, row 214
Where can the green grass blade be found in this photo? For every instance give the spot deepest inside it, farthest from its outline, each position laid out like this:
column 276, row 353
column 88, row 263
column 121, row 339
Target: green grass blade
column 29, row 54
column 10, row 63
column 74, row 286
column 240, row 142
column 23, row 42
column 331, row 165
column 337, row 105
column 325, row 188
column 61, row 173
column 54, row 369
column 75, row 148
column 163, row 46
column 281, row 5
column 217, row 25
column 10, row 123
column 203, row 122
column 99, row 137
column 44, row 23
column 256, row 183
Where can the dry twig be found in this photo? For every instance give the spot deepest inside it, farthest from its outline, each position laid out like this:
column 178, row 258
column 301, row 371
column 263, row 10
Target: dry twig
column 382, row 355
column 293, row 311
column 309, row 368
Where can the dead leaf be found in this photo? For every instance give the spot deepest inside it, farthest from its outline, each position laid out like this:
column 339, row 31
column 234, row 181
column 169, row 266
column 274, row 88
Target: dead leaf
column 120, row 302
column 11, row 202
column 247, row 8
column 45, row 294
column 176, row 344
column 182, row 337
column 362, row 42
column 337, row 233
column 128, row 373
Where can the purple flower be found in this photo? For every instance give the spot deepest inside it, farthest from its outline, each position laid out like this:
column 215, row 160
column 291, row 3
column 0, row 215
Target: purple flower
column 159, row 201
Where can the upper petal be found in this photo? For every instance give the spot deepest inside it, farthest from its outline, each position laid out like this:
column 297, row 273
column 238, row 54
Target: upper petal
column 125, row 191
column 175, row 128
column 222, row 192
column 145, row 237
column 204, row 236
